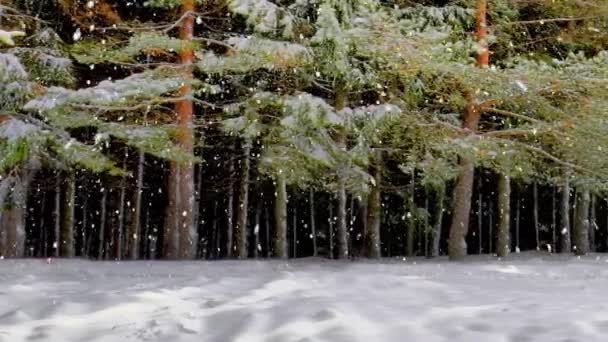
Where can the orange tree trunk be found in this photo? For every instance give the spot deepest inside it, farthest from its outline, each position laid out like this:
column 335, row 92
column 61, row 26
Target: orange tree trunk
column 180, row 229
column 461, row 206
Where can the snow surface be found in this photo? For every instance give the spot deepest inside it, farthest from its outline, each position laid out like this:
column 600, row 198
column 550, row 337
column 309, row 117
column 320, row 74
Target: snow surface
column 527, row 298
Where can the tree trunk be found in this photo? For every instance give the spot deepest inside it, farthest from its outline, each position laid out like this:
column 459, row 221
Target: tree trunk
column 313, row 229
column 294, row 227
column 565, row 242
column 85, row 221
column 134, row 233
column 280, row 215
column 535, row 209
column 480, row 216
column 374, row 212
column 461, row 206
column 256, row 231
column 121, row 216
column 340, row 99
column 553, row 220
column 230, row 211
column 436, row 238
column 57, row 217
column 181, row 229
column 411, row 223
column 503, row 243
column 330, row 229
column 581, row 223
column 592, row 224
column 241, row 224
column 517, row 221
column 491, row 227
column 66, row 240
column 102, row 225
column 267, row 229
column 12, row 219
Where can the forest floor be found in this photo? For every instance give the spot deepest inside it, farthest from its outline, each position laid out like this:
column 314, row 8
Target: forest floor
column 529, row 297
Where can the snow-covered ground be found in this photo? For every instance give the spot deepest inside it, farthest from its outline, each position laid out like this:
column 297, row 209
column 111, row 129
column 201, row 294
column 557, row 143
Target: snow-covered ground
column 527, row 298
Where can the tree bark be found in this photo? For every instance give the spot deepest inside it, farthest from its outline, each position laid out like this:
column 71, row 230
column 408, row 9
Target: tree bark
column 134, row 233
column 581, row 223
column 230, row 211
column 438, row 216
column 66, row 240
column 553, row 219
column 340, row 99
column 592, row 224
column 256, row 231
column 503, row 243
column 535, row 213
column 12, row 219
column 457, row 246
column 374, row 212
column 241, row 225
column 280, row 215
column 565, row 242
column 180, row 228
column 411, row 223
column 57, row 217
column 313, row 229
column 330, row 230
column 102, row 225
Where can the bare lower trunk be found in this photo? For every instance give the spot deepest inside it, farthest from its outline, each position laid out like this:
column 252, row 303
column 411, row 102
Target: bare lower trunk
column 280, row 214
column 535, row 209
column 256, row 230
column 517, row 217
column 374, row 207
column 592, row 223
column 294, row 227
column 438, row 217
column 134, row 233
column 241, row 223
column 491, row 227
column 503, row 243
column 267, row 230
column 330, row 233
column 457, row 245
column 12, row 218
column 479, row 217
column 411, row 222
column 342, row 231
column 581, row 223
column 102, row 225
column 313, row 229
column 230, row 212
column 66, row 241
column 121, row 217
column 57, row 218
column 564, row 232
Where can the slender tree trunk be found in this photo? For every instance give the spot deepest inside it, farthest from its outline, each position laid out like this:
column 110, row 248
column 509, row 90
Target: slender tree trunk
column 134, row 233
column 313, row 229
column 331, row 230
column 480, row 215
column 85, row 221
column 592, row 224
column 294, row 228
column 280, row 215
column 256, row 230
column 461, row 206
column 66, row 240
column 42, row 242
column 374, row 211
column 121, row 216
column 438, row 216
column 230, row 212
column 491, row 227
column 102, row 225
column 267, row 228
column 517, row 221
column 241, row 224
column 57, row 217
column 503, row 243
column 411, row 222
column 565, row 242
column 581, row 223
column 553, row 220
column 535, row 209
column 341, row 97
column 12, row 221
column 180, row 230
